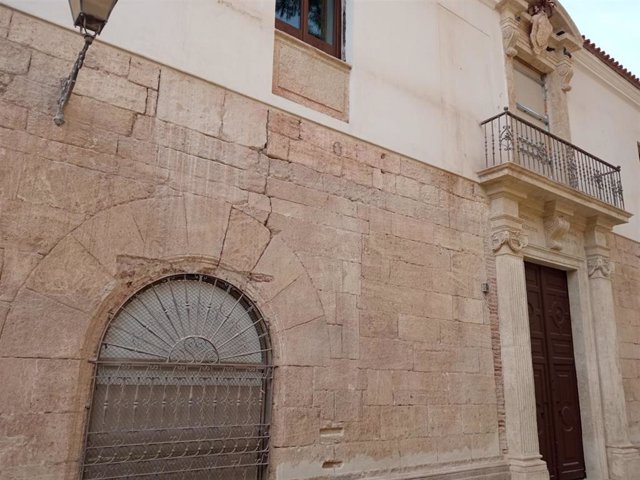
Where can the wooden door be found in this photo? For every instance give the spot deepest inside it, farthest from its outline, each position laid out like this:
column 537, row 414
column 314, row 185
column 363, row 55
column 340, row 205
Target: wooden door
column 557, row 404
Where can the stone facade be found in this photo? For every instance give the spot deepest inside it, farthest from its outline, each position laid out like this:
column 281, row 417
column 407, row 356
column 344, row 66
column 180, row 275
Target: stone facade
column 393, row 291
column 367, row 265
column 626, row 285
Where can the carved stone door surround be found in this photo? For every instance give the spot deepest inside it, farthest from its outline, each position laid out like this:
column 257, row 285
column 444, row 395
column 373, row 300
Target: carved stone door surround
column 537, row 220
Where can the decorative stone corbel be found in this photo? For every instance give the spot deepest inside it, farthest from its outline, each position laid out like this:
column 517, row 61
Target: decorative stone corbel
column 509, row 39
column 557, row 223
column 556, row 228
column 599, row 266
column 565, row 72
column 513, row 239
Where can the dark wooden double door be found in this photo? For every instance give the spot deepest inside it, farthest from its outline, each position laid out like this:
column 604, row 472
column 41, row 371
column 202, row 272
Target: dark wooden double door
column 558, row 409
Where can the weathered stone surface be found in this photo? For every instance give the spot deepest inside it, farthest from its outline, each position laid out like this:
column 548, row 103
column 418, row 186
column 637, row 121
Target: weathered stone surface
column 48, row 70
column 280, row 265
column 468, row 310
column 244, row 121
column 15, row 267
column 626, row 283
column 45, row 37
column 162, row 225
column 298, row 351
column 207, row 224
column 110, row 234
column 48, row 183
column 404, row 422
column 71, row 276
column 107, row 58
column 10, row 172
column 144, row 72
column 386, row 354
column 284, row 124
column 32, row 95
column 190, row 102
column 296, row 387
column 73, row 133
column 35, row 228
column 291, row 311
column 35, row 438
column 12, row 116
column 420, row 329
column 245, row 241
column 33, row 312
column 315, row 238
column 379, row 388
column 157, row 132
column 14, row 59
column 99, row 114
column 347, row 316
column 111, row 89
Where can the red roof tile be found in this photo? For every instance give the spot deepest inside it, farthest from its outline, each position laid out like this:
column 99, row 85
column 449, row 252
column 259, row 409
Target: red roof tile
column 611, row 62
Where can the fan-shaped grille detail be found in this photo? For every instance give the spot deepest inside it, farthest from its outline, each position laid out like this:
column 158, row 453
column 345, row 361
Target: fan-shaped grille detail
column 182, row 386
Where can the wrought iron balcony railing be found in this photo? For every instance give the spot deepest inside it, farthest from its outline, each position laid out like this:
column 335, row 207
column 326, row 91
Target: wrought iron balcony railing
column 508, row 138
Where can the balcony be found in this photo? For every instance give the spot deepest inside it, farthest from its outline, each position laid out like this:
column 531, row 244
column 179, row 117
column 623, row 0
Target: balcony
column 510, row 139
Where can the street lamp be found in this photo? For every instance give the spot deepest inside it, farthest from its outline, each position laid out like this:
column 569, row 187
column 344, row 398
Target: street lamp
column 91, row 16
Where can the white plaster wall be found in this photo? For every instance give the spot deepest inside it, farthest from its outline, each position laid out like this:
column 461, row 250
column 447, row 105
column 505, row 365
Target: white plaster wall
column 425, row 72
column 606, row 123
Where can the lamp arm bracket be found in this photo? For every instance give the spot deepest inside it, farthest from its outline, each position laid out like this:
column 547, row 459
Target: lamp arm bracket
column 70, row 82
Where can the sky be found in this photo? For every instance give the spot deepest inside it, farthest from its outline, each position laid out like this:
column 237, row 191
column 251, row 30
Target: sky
column 613, row 25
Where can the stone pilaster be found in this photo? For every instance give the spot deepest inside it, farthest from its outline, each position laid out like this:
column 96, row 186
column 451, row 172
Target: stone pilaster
column 622, row 457
column 508, row 241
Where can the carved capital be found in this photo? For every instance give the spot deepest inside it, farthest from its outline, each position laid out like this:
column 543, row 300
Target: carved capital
column 556, row 228
column 541, row 30
column 565, row 72
column 509, row 39
column 599, row 266
column 511, row 239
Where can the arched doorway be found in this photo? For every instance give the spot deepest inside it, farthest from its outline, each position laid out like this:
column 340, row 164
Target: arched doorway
column 182, row 386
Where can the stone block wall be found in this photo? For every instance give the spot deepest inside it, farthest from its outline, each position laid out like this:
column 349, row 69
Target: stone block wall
column 625, row 254
column 367, row 265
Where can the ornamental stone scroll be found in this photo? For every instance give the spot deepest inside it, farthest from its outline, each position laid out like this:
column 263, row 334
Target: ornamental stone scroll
column 514, row 240
column 509, row 39
column 556, row 228
column 599, row 266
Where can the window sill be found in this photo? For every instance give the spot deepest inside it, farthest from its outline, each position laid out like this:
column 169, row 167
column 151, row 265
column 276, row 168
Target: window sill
column 310, row 77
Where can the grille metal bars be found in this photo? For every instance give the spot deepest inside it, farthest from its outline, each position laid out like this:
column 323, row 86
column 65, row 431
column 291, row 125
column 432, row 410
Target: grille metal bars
column 193, row 419
column 509, row 138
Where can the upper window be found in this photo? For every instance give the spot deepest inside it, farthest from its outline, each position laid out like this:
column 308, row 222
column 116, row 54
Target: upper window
column 316, row 22
column 531, row 95
column 181, row 389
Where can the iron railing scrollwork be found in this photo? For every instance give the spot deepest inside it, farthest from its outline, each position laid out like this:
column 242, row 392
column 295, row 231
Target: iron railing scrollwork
column 509, row 138
column 182, row 386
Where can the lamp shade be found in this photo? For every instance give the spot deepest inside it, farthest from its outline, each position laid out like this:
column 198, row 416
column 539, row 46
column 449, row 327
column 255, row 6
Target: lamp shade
column 91, row 14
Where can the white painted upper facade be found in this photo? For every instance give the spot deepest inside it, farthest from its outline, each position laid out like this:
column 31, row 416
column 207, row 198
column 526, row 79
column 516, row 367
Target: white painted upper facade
column 424, row 73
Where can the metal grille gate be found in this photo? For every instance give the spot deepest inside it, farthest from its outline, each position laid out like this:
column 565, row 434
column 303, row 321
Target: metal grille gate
column 182, row 386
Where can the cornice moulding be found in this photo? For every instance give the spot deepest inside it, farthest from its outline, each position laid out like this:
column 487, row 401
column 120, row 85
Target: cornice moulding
column 541, row 189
